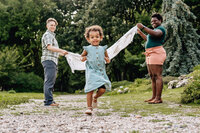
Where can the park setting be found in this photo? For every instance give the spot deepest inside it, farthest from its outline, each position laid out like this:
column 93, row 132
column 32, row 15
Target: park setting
column 51, row 66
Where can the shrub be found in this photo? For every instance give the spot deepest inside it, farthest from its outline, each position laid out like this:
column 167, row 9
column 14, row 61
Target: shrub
column 27, row 82
column 9, row 65
column 191, row 92
column 120, row 83
column 79, row 92
column 12, row 91
column 138, row 82
column 167, row 79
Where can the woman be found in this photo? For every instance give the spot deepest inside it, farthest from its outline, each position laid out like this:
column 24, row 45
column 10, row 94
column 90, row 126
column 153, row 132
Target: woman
column 155, row 54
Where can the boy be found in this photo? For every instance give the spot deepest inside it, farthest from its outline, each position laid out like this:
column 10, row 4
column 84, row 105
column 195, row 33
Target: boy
column 49, row 59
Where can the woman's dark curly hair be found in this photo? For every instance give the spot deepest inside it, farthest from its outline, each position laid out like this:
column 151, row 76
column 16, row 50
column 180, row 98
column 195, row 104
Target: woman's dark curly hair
column 158, row 16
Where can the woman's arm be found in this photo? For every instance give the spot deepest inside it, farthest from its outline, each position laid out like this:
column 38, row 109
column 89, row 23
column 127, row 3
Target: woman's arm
column 142, row 34
column 106, row 57
column 84, row 56
column 155, row 33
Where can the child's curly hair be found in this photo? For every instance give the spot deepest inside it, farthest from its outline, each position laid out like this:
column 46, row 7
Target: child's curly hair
column 93, row 28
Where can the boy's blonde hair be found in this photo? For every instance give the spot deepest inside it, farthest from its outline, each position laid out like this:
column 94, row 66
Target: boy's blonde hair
column 93, row 28
column 51, row 19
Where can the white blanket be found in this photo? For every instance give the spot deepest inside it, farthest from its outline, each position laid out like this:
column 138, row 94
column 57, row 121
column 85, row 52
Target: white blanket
column 74, row 59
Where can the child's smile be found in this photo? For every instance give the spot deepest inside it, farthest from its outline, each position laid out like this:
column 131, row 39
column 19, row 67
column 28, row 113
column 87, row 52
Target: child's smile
column 94, row 38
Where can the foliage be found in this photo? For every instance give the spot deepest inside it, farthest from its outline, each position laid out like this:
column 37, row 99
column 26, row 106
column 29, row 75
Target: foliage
column 167, row 79
column 9, row 65
column 182, row 41
column 12, row 91
column 23, row 27
column 195, row 8
column 22, row 24
column 115, row 23
column 123, row 87
column 191, row 92
column 27, row 82
column 133, row 102
column 121, row 83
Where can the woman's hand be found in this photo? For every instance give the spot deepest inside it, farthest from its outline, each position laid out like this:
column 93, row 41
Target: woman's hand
column 107, row 59
column 83, row 58
column 140, row 25
column 139, row 31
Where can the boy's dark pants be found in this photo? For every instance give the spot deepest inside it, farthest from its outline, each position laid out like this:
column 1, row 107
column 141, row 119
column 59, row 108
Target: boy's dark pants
column 50, row 72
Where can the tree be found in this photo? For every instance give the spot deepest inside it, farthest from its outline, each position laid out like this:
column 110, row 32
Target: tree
column 182, row 41
column 10, row 63
column 195, row 8
column 22, row 24
column 116, row 17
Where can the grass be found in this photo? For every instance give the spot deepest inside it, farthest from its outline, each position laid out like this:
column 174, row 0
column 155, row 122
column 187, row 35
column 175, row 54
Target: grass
column 156, row 120
column 17, row 98
column 133, row 102
column 126, row 103
column 103, row 114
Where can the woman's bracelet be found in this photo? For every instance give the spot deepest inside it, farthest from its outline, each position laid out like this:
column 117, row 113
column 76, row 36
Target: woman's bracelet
column 143, row 27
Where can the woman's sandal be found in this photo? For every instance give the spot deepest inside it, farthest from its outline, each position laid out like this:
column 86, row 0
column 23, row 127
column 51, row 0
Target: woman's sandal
column 94, row 104
column 89, row 111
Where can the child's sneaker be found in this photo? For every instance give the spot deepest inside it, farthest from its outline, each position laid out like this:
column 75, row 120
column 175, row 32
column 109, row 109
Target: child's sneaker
column 89, row 111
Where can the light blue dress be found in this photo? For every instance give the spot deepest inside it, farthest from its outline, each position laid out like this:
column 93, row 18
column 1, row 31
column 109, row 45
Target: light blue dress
column 95, row 69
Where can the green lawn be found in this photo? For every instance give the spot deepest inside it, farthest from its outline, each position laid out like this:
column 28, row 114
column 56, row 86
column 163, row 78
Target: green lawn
column 133, row 102
column 17, row 98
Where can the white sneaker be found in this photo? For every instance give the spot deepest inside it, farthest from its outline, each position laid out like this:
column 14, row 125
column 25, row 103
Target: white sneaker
column 89, row 111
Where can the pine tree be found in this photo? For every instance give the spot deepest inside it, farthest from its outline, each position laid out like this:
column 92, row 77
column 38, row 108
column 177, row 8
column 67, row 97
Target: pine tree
column 182, row 41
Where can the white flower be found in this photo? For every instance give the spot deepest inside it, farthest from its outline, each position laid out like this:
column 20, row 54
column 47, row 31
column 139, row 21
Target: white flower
column 119, row 91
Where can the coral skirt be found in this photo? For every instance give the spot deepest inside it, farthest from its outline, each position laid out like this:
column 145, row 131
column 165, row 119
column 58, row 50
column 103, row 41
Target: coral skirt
column 155, row 55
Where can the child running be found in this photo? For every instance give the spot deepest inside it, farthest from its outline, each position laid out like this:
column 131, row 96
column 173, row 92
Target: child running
column 96, row 56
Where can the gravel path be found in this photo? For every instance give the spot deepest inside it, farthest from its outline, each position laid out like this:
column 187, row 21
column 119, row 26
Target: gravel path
column 33, row 117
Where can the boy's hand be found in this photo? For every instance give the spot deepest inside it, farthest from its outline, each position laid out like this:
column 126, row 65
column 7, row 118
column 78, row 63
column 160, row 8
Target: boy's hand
column 63, row 53
column 84, row 58
column 107, row 59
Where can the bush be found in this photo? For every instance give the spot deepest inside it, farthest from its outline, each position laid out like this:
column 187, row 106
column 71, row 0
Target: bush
column 120, row 83
column 167, row 79
column 27, row 82
column 191, row 92
column 12, row 91
column 196, row 67
column 79, row 92
column 139, row 82
column 9, row 65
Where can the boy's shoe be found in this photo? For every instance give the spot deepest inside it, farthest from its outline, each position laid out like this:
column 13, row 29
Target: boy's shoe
column 54, row 104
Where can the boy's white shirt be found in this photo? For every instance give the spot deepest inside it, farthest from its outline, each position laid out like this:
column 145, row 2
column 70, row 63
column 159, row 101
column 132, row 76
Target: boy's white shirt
column 75, row 63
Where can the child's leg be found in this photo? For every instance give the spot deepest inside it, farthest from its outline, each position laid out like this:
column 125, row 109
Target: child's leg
column 89, row 100
column 99, row 93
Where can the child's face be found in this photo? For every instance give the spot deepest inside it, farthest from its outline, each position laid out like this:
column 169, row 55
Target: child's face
column 51, row 26
column 94, row 38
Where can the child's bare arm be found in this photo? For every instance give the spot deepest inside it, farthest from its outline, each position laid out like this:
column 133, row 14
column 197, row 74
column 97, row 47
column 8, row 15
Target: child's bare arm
column 84, row 56
column 106, row 57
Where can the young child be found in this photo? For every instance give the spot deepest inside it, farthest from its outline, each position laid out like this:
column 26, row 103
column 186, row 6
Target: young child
column 96, row 56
